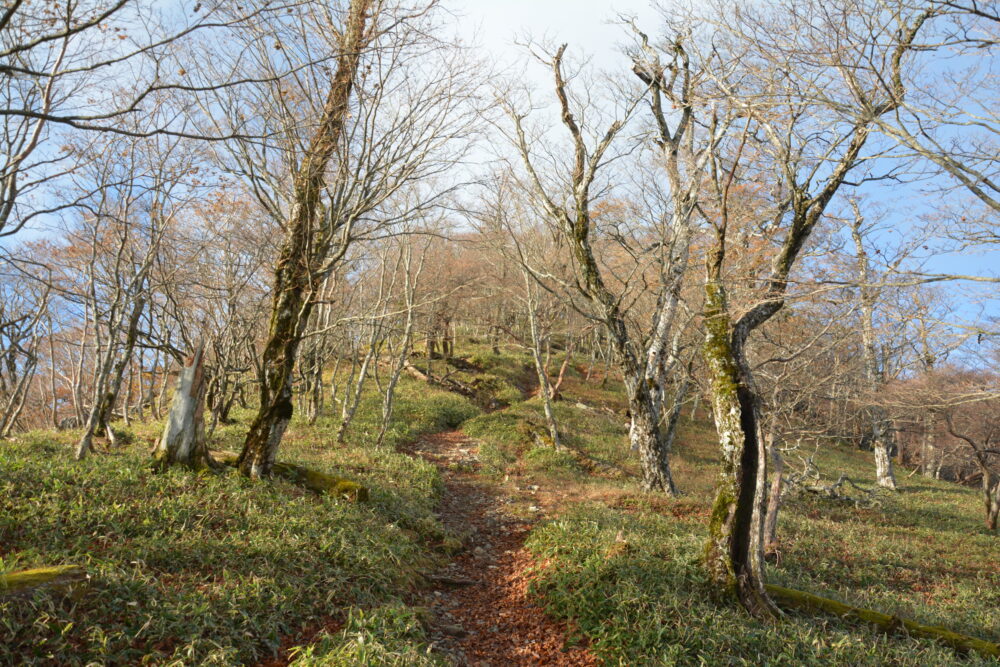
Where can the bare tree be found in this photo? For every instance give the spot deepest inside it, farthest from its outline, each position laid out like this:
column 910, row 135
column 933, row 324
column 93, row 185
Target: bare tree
column 72, row 70
column 568, row 205
column 783, row 70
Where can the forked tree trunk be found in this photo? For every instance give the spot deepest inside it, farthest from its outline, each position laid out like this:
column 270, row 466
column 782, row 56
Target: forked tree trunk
column 109, row 382
column 879, row 425
column 405, row 345
column 554, row 390
column 544, row 388
column 296, row 277
column 183, row 439
column 353, row 399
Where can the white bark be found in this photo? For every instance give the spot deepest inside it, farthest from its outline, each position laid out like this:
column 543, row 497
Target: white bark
column 183, row 439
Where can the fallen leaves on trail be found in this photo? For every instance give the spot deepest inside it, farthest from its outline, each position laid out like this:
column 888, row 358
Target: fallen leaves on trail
column 490, row 622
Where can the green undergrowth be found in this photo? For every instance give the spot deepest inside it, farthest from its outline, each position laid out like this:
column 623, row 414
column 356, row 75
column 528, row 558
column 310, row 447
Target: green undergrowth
column 626, row 567
column 497, row 379
column 632, row 582
column 516, row 440
column 388, row 636
column 213, row 569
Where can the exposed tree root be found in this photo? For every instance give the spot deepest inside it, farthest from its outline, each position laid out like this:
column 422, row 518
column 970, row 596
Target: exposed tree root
column 889, row 624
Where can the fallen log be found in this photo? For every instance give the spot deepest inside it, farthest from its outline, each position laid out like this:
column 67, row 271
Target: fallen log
column 311, row 479
column 321, row 482
column 445, row 382
column 65, row 579
column 884, row 622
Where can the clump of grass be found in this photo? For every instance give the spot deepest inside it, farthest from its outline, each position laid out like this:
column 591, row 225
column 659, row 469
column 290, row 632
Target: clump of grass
column 514, row 366
column 387, row 636
column 556, row 463
column 593, row 440
column 506, row 431
column 419, row 409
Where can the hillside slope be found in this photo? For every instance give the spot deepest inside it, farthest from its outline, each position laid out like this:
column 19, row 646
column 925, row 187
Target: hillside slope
column 213, row 569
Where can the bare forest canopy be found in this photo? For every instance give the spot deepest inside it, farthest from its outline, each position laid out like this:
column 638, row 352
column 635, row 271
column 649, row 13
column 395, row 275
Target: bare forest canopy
column 274, row 208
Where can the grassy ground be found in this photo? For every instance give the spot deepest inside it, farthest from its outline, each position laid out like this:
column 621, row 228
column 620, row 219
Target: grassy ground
column 213, row 569
column 626, row 567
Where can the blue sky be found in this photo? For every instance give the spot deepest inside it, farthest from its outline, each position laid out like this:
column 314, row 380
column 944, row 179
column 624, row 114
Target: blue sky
column 585, row 25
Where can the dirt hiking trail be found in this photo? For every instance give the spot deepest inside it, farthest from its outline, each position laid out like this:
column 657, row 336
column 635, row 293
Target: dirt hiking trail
column 481, row 615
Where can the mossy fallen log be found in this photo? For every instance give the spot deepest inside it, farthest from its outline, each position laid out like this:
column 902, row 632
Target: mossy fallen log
column 321, row 482
column 70, row 580
column 311, row 479
column 801, row 600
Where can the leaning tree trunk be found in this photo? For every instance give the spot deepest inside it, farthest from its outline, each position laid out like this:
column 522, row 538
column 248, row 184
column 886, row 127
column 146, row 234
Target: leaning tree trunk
column 353, row 399
column 296, row 279
column 109, row 382
column 735, row 549
column 544, row 387
column 183, row 440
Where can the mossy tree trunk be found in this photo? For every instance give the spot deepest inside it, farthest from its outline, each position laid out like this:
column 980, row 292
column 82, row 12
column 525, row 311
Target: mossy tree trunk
column 302, row 253
column 735, row 548
column 884, row 622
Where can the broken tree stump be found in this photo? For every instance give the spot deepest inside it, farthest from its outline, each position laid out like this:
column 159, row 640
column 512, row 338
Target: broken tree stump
column 183, row 439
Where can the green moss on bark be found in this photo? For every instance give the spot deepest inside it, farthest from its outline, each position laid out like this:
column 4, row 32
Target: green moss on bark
column 62, row 578
column 885, row 622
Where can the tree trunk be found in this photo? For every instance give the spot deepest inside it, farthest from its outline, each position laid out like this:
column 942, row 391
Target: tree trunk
column 884, row 475
column 183, row 440
column 296, row 277
column 402, row 359
column 735, row 549
column 554, row 392
column 646, row 437
column 991, row 496
column 109, row 381
column 774, row 499
column 351, row 400
column 544, row 388
column 880, row 428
